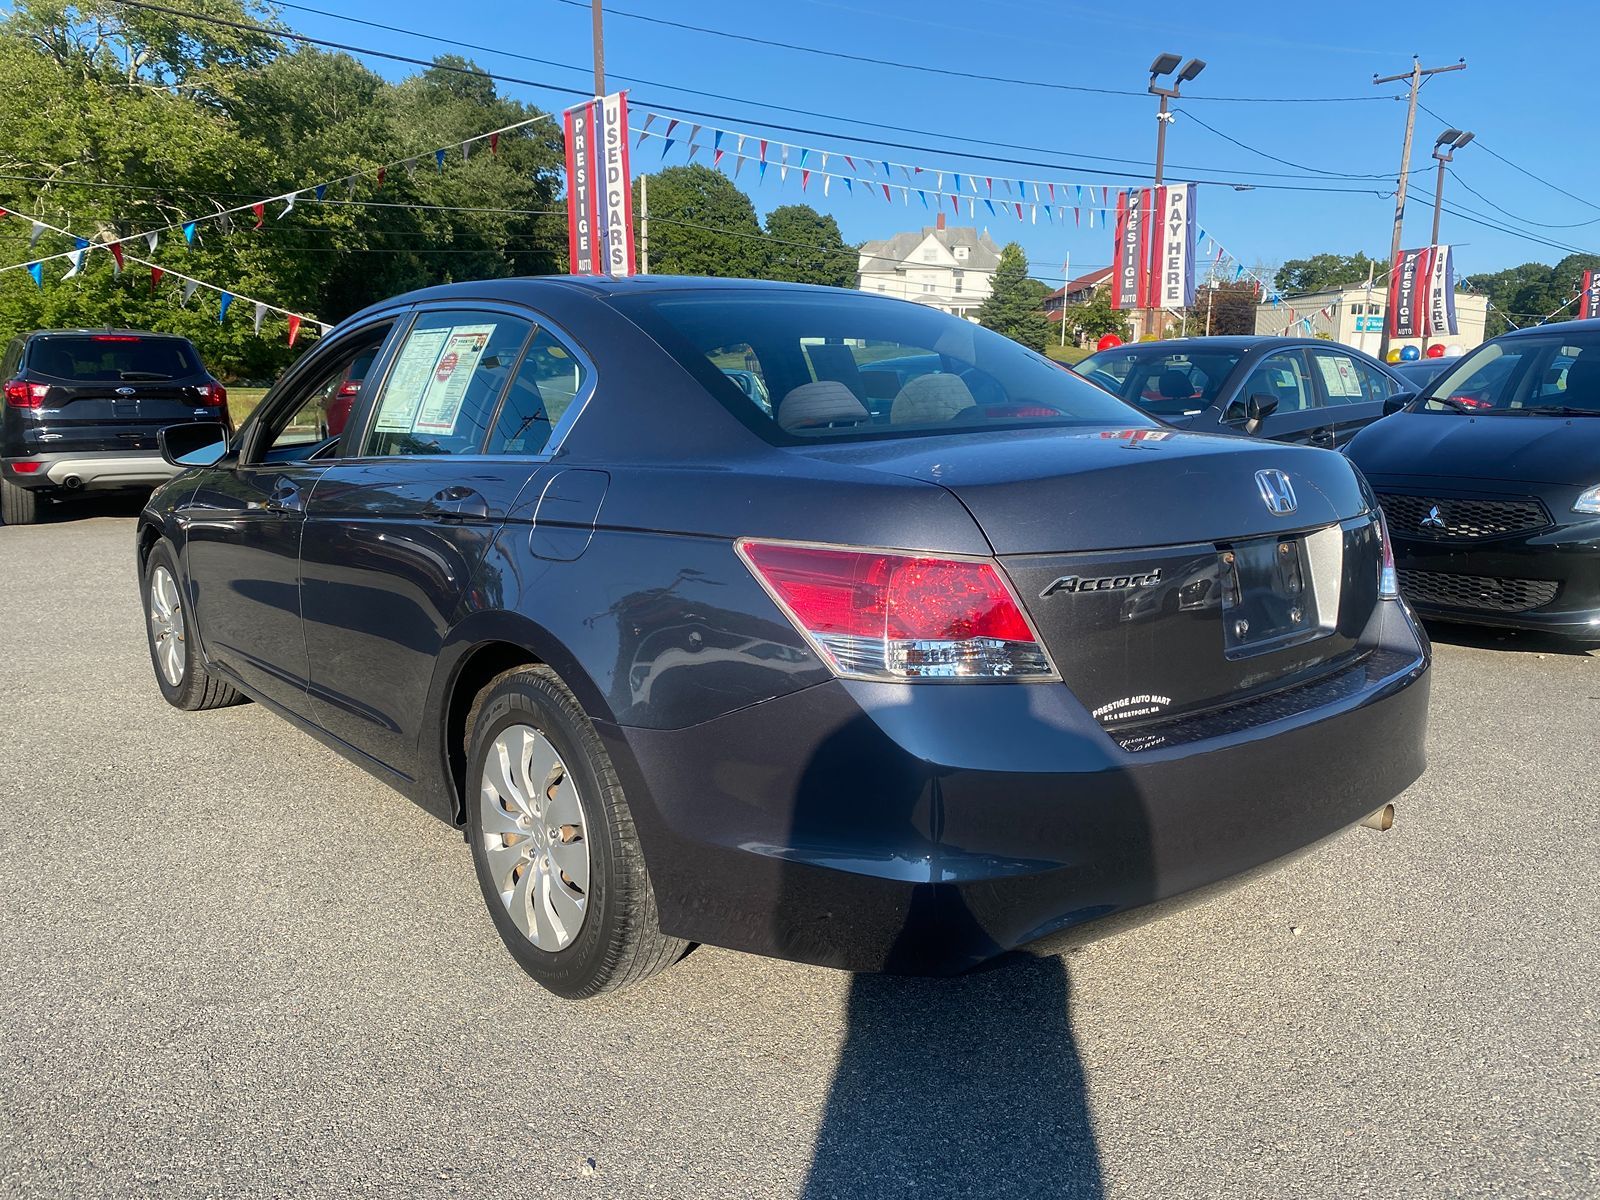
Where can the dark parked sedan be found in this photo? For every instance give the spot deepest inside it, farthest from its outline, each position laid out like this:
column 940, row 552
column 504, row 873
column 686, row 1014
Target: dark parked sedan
column 894, row 692
column 1309, row 391
column 1491, row 481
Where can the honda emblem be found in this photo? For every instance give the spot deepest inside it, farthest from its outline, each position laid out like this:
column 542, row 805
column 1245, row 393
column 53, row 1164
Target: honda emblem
column 1277, row 493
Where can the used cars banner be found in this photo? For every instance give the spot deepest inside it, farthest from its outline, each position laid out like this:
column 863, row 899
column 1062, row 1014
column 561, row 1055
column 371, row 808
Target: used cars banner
column 599, row 187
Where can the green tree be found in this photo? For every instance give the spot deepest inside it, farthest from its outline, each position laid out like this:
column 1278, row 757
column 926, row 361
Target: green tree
column 804, row 246
column 1094, row 318
column 1013, row 305
column 701, row 224
column 1528, row 293
column 1323, row 271
column 116, row 121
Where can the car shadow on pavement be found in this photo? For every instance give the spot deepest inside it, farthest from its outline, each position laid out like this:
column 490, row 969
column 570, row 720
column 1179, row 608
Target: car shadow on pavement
column 969, row 1086
column 95, row 504
column 1517, row 641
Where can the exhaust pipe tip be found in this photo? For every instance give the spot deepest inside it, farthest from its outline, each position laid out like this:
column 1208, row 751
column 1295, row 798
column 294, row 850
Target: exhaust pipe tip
column 72, row 483
column 1381, row 820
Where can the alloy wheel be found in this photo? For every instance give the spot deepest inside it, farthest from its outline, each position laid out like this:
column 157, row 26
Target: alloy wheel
column 166, row 625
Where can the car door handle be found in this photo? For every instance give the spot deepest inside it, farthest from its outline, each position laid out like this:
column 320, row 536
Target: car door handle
column 1322, row 436
column 456, row 504
column 285, row 498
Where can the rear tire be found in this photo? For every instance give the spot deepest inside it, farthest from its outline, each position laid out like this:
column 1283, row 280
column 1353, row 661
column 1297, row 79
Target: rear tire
column 184, row 681
column 553, row 841
column 18, row 505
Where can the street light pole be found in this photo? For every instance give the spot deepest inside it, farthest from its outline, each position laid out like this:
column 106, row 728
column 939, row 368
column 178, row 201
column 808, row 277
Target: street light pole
column 1416, row 75
column 1444, row 148
column 1165, row 64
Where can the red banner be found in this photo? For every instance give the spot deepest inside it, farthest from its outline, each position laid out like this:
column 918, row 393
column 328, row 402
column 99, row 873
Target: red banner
column 582, row 218
column 1407, row 281
column 1589, row 296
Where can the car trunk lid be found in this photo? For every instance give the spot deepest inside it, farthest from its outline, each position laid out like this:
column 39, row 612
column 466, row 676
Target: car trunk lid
column 1153, row 564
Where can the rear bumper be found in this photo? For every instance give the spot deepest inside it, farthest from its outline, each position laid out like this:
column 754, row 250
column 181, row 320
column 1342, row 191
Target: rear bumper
column 92, row 471
column 926, row 828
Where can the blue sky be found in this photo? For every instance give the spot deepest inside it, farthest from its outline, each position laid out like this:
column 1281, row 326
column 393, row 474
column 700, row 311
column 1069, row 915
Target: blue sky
column 1527, row 92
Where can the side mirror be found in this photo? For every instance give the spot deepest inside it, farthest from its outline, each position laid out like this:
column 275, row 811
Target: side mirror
column 193, row 444
column 1397, row 401
column 1252, row 411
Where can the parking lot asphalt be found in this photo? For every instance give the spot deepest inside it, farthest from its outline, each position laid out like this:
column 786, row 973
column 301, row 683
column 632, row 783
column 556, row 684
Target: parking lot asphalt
column 234, row 964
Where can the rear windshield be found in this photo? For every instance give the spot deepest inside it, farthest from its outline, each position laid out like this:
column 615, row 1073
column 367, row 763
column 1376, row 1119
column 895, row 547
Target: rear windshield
column 804, row 367
column 1162, row 381
column 110, row 357
column 1555, row 374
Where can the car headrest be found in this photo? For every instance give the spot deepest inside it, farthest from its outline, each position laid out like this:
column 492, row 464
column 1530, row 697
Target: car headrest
column 927, row 398
column 814, row 405
column 1175, row 385
column 1583, row 381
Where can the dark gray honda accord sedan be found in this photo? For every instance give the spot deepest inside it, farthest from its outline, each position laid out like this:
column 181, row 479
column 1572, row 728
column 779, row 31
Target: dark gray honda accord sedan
column 904, row 669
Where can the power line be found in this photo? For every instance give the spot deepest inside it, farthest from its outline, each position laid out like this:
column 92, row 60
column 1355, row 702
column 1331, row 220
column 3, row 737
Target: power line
column 1273, row 157
column 925, row 69
column 1529, row 220
column 804, row 112
column 1587, row 203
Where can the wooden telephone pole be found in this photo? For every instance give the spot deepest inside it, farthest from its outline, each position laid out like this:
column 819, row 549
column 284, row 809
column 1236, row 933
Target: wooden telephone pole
column 1416, row 75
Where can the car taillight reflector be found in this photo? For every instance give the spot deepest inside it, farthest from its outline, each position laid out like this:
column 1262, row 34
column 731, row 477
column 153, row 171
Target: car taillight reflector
column 213, row 395
column 21, row 394
column 1388, row 580
column 26, row 468
column 879, row 614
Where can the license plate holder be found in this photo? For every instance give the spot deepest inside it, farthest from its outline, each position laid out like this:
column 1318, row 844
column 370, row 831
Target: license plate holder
column 1269, row 598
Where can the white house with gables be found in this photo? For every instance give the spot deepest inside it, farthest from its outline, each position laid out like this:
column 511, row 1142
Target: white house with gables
column 947, row 268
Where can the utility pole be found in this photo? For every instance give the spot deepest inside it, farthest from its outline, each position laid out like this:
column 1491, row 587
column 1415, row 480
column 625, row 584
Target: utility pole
column 599, row 48
column 1416, row 75
column 1165, row 64
column 1066, row 270
column 644, row 224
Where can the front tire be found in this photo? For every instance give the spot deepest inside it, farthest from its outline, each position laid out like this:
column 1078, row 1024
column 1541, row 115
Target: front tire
column 18, row 505
column 553, row 841
column 183, row 680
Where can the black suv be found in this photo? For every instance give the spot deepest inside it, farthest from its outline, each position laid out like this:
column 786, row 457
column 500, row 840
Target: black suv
column 83, row 407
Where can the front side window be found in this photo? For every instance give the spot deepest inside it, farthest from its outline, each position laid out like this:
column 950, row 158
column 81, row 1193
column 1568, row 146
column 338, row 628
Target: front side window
column 307, row 420
column 1283, row 378
column 444, row 385
column 1535, row 374
column 547, row 383
column 853, row 367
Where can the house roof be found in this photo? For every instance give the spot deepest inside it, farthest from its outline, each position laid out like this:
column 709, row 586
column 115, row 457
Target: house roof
column 883, row 256
column 1083, row 282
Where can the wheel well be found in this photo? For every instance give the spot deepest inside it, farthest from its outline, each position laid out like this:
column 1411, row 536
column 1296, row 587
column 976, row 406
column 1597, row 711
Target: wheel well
column 149, row 535
column 483, row 665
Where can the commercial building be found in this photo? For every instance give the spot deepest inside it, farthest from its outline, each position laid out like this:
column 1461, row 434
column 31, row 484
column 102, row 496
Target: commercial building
column 1355, row 315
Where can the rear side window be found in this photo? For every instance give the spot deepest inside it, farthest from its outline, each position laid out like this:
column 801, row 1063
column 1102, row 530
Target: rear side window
column 1348, row 380
column 441, row 393
column 112, row 358
column 547, row 383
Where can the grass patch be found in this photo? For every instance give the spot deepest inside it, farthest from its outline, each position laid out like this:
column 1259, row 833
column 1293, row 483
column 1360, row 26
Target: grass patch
column 242, row 402
column 1068, row 354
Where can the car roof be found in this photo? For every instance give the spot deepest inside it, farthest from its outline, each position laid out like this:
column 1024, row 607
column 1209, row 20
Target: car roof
column 103, row 331
column 1240, row 341
column 1591, row 325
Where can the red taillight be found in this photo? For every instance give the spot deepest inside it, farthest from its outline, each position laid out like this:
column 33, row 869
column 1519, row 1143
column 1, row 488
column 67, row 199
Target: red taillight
column 883, row 615
column 350, row 387
column 114, row 337
column 26, row 468
column 21, row 394
column 213, row 395
column 1388, row 578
